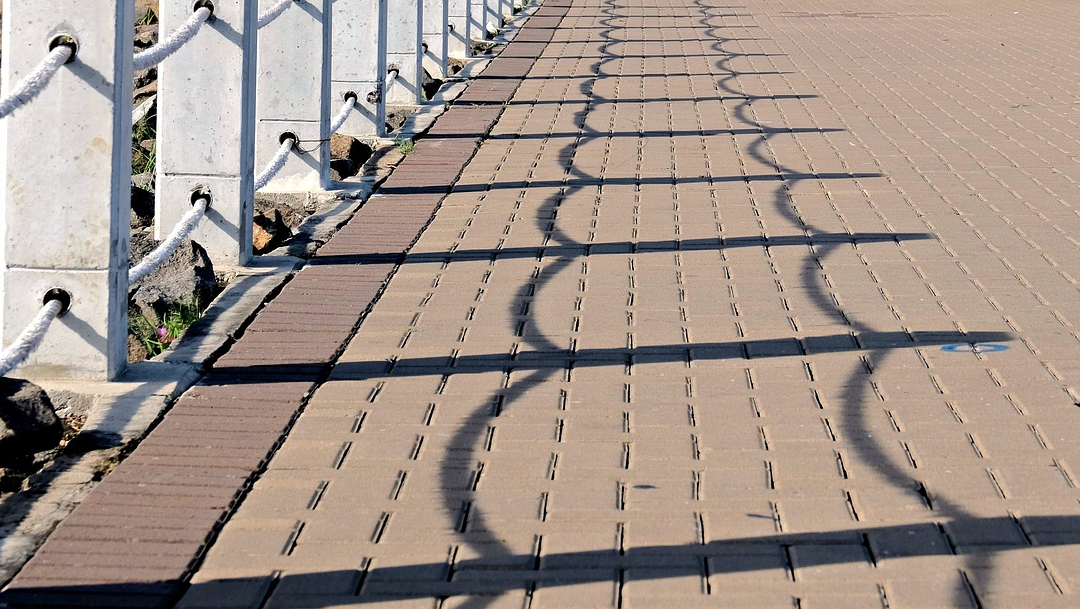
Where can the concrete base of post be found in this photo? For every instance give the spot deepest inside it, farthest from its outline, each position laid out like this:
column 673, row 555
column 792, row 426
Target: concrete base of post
column 66, row 206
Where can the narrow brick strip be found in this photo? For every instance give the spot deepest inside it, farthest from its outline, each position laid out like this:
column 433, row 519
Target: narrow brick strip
column 140, row 534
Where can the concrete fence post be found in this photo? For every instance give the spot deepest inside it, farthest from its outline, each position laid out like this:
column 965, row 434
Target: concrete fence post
column 206, row 128
column 294, row 94
column 479, row 17
column 457, row 39
column 404, row 51
column 492, row 19
column 436, row 37
column 358, row 65
column 66, row 205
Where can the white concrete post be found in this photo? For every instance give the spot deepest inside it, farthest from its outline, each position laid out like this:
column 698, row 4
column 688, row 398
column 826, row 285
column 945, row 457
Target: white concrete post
column 358, row 66
column 492, row 19
column 403, row 51
column 479, row 18
column 436, row 37
column 294, row 94
column 66, row 162
column 206, row 128
column 457, row 43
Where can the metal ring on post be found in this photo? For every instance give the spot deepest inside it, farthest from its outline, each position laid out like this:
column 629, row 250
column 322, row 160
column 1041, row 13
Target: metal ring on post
column 207, row 4
column 201, row 193
column 62, row 296
column 65, row 40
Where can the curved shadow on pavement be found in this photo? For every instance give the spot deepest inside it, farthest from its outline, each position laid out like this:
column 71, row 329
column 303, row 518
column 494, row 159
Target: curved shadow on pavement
column 761, row 554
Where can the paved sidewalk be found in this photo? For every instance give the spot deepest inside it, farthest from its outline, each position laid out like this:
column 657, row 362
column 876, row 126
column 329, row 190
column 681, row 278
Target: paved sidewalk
column 759, row 304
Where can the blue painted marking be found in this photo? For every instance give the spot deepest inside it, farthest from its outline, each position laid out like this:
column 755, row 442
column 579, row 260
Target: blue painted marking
column 974, row 348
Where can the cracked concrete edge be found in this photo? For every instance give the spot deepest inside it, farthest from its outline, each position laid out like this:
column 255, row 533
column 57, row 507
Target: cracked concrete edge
column 61, row 486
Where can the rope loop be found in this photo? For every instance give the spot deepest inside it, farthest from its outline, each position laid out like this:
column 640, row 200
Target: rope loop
column 36, row 81
column 162, row 50
column 272, row 13
column 288, row 143
column 30, row 339
column 343, row 114
column 183, row 228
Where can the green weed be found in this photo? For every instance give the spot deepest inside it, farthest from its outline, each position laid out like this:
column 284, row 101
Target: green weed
column 404, row 145
column 174, row 323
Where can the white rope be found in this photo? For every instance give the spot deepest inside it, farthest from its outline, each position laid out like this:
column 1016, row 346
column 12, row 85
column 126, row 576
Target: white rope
column 34, row 83
column 275, row 165
column 273, row 13
column 160, row 51
column 183, row 228
column 343, row 114
column 30, row 339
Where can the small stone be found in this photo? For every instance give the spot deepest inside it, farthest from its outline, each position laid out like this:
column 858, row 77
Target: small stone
column 146, row 35
column 144, row 181
column 137, row 350
column 269, row 232
column 150, row 89
column 28, row 423
column 145, row 77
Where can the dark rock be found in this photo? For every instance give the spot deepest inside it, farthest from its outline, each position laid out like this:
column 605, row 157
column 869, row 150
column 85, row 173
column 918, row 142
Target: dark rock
column 142, row 206
column 395, row 119
column 430, row 85
column 185, row 277
column 145, row 77
column 146, row 91
column 341, row 169
column 137, row 350
column 144, row 181
column 269, row 233
column 348, row 156
column 146, row 35
column 28, row 423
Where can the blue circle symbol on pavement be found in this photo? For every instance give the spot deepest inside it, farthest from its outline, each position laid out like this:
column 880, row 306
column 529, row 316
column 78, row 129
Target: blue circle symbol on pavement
column 974, row 348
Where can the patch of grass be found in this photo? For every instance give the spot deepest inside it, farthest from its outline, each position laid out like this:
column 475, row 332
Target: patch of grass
column 157, row 339
column 404, row 145
column 148, row 18
column 142, row 160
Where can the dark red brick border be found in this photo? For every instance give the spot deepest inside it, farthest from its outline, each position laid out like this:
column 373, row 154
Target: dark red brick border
column 141, row 533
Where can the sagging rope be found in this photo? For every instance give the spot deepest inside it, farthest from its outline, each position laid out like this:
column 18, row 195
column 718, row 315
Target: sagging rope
column 162, row 50
column 267, row 17
column 31, row 337
column 34, row 83
column 343, row 114
column 276, row 163
column 183, row 228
